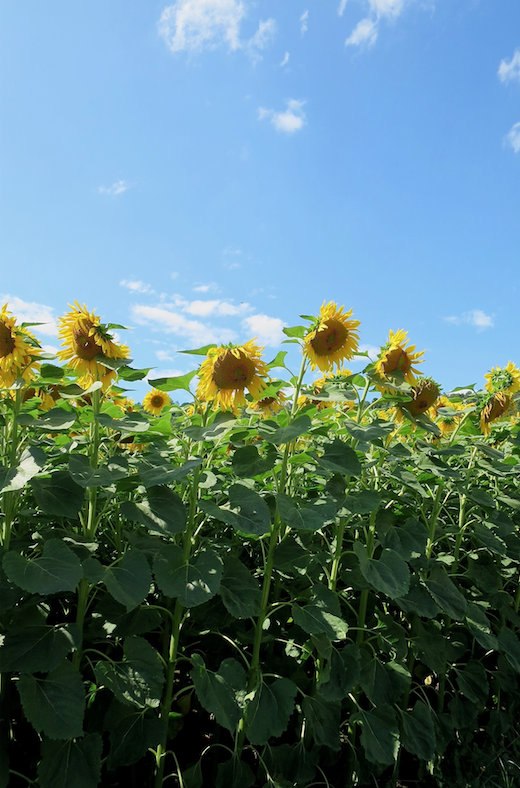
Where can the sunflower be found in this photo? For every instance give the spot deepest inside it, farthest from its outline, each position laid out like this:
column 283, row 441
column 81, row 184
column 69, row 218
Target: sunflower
column 395, row 356
column 446, row 423
column 506, row 380
column 228, row 371
column 270, row 406
column 19, row 351
column 155, row 401
column 332, row 338
column 497, row 405
column 425, row 394
column 85, row 338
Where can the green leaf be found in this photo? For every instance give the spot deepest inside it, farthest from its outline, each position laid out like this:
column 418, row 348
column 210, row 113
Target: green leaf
column 370, row 434
column 58, row 495
column 278, row 360
column 129, row 581
column 128, row 373
column 138, row 679
column 379, row 734
column 472, row 681
column 239, row 590
column 57, row 569
column 272, row 433
column 221, row 693
column 431, row 645
column 31, row 462
column 341, row 674
column 314, row 620
column 485, row 535
column 446, row 594
column 481, row 497
column 268, row 712
column 130, row 424
column 480, row 628
column 295, row 331
column 85, row 475
column 132, row 732
column 191, row 583
column 153, row 473
column 173, row 384
column 252, row 512
column 219, row 513
column 362, row 502
column 50, row 373
column 389, row 574
column 163, row 512
column 234, row 774
column 419, row 731
column 418, row 600
column 54, row 705
column 323, row 718
column 509, row 645
column 73, row 763
column 311, row 517
column 409, row 540
column 56, row 420
column 32, row 646
column 340, row 458
column 200, row 351
column 247, row 461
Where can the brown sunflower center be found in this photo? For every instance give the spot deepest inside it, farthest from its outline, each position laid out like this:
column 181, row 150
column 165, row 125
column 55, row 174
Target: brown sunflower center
column 396, row 359
column 267, row 401
column 7, row 343
column 231, row 372
column 332, row 338
column 157, row 401
column 496, row 407
column 84, row 346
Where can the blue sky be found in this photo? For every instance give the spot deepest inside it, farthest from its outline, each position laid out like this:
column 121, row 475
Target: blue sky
column 206, row 170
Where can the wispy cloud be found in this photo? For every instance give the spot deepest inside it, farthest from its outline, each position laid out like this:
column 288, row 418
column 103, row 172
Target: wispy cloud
column 285, row 60
column 366, row 30
column 117, row 188
column 289, row 120
column 136, row 287
column 341, row 8
column 513, row 137
column 211, row 287
column 475, row 317
column 510, row 71
column 216, row 308
column 303, row 22
column 165, row 319
column 231, row 256
column 268, row 330
column 31, row 312
column 193, row 25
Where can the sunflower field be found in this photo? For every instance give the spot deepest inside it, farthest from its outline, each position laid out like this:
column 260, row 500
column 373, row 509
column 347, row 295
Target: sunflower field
column 274, row 584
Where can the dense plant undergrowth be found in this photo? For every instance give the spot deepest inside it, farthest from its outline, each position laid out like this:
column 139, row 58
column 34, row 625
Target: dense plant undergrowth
column 276, row 585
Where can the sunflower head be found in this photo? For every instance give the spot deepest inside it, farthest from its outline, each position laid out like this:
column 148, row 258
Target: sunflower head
column 19, row 351
column 228, row 371
column 397, row 356
column 270, row 406
column 85, row 340
column 332, row 338
column 497, row 405
column 446, row 423
column 506, row 380
column 425, row 394
column 154, row 402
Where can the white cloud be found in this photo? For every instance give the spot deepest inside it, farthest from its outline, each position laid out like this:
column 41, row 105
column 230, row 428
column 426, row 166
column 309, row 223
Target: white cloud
column 205, row 288
column 217, row 308
column 136, row 287
column 171, row 322
column 342, row 6
column 475, row 317
column 262, row 38
column 290, row 120
column 268, row 330
column 163, row 355
column 174, row 274
column 513, row 137
column 372, row 351
column 511, row 70
column 117, row 188
column 285, row 60
column 31, row 312
column 303, row 22
column 366, row 30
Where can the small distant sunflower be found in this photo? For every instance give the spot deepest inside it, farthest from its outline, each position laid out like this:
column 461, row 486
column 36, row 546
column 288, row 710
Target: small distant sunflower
column 270, row 406
column 228, row 371
column 425, row 394
column 85, row 337
column 333, row 338
column 506, row 380
column 155, row 401
column 497, row 405
column 446, row 423
column 395, row 356
column 19, row 351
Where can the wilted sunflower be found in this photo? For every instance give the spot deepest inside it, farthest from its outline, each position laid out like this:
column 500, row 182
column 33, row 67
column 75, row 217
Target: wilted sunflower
column 395, row 356
column 497, row 405
column 332, row 338
column 85, row 337
column 19, row 351
column 425, row 394
column 155, row 401
column 228, row 371
column 506, row 379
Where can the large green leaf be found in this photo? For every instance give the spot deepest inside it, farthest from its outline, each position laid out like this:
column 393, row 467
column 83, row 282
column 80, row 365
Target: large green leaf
column 252, row 512
column 130, row 424
column 323, row 718
column 472, row 681
column 379, row 734
column 159, row 471
column 446, row 594
column 55, row 420
column 32, row 646
column 163, row 512
column 235, row 774
column 479, row 626
column 316, row 620
column 85, row 475
column 509, row 645
column 174, row 384
column 191, row 583
column 222, row 693
column 138, row 679
column 247, row 461
column 129, row 581
column 370, row 434
column 340, row 458
column 71, row 763
column 58, row 495
column 309, row 517
column 418, row 600
column 272, row 433
column 431, row 645
column 54, row 705
column 341, row 673
column 239, row 590
column 269, row 710
column 31, row 463
column 57, row 569
column 419, row 731
column 219, row 513
column 132, row 732
column 362, row 502
column 389, row 573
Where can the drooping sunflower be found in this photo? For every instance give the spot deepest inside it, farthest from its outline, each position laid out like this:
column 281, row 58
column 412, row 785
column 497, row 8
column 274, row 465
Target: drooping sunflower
column 85, row 338
column 425, row 394
column 446, row 423
column 396, row 356
column 506, row 380
column 270, row 406
column 19, row 351
column 228, row 371
column 333, row 338
column 497, row 405
column 154, row 402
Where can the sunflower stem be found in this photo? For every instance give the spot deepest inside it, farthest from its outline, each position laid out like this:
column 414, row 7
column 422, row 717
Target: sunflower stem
column 10, row 498
column 363, row 601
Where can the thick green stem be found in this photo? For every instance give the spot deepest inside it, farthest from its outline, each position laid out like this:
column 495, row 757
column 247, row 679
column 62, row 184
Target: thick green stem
column 462, row 511
column 338, row 551
column 432, row 521
column 363, row 601
column 10, row 498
